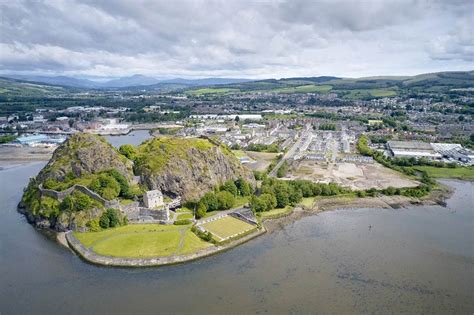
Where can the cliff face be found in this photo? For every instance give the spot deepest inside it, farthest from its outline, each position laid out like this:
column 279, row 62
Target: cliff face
column 84, row 154
column 79, row 160
column 86, row 175
column 187, row 167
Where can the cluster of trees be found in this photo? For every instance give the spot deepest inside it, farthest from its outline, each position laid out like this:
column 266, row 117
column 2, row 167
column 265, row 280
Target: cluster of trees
column 112, row 184
column 7, row 138
column 281, row 172
column 223, row 198
column 272, row 148
column 276, row 193
column 77, row 201
column 327, row 127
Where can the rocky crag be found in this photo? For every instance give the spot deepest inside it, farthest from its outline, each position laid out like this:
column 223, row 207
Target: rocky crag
column 187, row 167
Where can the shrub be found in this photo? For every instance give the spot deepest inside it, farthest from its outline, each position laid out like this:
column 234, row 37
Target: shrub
column 182, row 222
column 225, row 200
column 114, row 217
column 104, row 221
column 230, row 187
column 129, row 151
column 93, row 225
column 201, row 210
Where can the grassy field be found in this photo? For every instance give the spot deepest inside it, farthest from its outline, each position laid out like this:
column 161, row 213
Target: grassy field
column 142, row 241
column 361, row 93
column 276, row 213
column 239, row 153
column 227, row 226
column 465, row 173
column 307, row 202
column 310, row 88
column 212, row 91
column 185, row 216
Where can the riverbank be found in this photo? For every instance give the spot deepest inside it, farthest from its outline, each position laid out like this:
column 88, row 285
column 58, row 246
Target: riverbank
column 270, row 224
column 10, row 154
column 437, row 197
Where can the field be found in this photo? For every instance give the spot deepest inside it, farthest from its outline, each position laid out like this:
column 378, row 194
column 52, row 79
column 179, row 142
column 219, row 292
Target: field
column 355, row 176
column 227, row 227
column 310, row 88
column 142, row 241
column 363, row 93
column 212, row 91
column 465, row 173
column 276, row 213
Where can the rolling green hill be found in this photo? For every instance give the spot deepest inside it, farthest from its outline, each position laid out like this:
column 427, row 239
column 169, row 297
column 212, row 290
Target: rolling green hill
column 350, row 88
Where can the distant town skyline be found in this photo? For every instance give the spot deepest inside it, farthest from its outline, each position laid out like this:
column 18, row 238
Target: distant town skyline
column 241, row 39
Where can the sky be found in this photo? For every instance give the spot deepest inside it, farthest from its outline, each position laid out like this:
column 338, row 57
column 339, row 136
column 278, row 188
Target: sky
column 235, row 38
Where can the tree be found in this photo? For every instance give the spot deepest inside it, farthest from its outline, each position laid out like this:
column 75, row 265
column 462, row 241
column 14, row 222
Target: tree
column 257, row 204
column 200, row 210
column 237, row 119
column 210, row 201
column 281, row 194
column 82, row 201
column 225, row 200
column 114, row 217
column 230, row 187
column 104, row 221
column 269, row 200
column 243, row 186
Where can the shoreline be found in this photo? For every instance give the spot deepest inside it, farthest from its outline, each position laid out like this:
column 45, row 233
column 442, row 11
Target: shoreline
column 90, row 256
column 437, row 197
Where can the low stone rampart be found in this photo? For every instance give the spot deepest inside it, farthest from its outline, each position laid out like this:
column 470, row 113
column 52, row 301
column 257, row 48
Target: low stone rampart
column 60, row 195
column 88, row 255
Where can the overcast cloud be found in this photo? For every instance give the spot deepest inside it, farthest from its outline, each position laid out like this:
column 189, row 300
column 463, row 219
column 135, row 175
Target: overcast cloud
column 254, row 39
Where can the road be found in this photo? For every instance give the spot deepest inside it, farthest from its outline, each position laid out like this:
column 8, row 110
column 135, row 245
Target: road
column 292, row 151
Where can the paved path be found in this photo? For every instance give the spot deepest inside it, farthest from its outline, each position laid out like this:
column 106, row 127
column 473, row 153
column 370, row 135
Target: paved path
column 291, row 152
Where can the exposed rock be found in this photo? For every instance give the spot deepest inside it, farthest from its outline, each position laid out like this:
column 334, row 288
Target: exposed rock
column 187, row 167
column 84, row 154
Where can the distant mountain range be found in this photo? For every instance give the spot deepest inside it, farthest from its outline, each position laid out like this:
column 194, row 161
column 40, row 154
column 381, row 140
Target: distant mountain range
column 130, row 81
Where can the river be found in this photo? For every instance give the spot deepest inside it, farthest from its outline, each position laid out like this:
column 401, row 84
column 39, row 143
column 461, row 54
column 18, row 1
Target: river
column 135, row 137
column 411, row 260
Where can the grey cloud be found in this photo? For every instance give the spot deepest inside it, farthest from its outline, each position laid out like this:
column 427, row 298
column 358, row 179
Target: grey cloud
column 243, row 38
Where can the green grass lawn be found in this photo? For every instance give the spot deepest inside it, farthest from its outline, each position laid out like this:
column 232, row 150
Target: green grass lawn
column 142, row 241
column 185, row 216
column 465, row 173
column 275, row 213
column 184, row 209
column 239, row 153
column 227, row 226
column 307, row 202
column 241, row 201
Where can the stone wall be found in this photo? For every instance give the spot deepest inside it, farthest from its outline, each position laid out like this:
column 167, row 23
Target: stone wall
column 94, row 258
column 60, row 195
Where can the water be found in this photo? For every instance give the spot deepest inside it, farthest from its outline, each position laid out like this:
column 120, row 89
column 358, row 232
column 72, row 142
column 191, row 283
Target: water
column 135, row 137
column 416, row 260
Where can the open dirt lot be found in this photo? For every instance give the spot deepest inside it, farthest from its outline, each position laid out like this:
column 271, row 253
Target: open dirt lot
column 355, row 176
column 260, row 160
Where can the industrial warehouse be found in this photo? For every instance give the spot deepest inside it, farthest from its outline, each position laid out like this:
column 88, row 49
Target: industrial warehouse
column 452, row 152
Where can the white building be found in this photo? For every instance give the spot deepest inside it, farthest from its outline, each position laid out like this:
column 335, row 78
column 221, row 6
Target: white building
column 153, row 199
